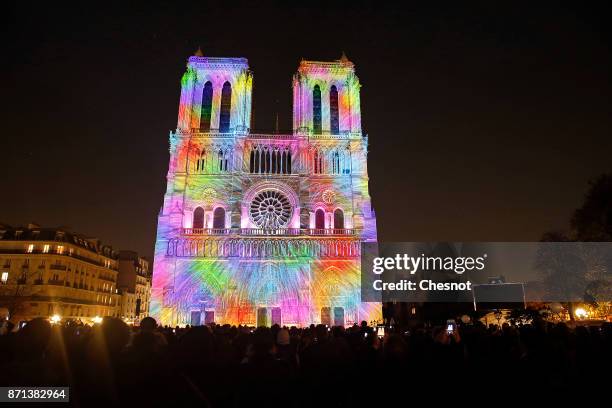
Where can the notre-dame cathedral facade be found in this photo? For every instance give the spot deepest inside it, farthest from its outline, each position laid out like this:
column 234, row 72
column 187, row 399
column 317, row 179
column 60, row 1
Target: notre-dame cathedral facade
column 264, row 229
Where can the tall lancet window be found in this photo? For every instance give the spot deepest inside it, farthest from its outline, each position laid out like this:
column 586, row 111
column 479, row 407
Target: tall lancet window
column 338, row 219
column 226, row 106
column 206, row 109
column 316, row 110
column 319, row 219
column 219, row 218
column 198, row 218
column 289, row 163
column 334, row 122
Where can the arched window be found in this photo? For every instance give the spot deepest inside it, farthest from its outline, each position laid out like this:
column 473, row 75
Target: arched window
column 219, row 218
column 284, row 162
column 334, row 122
column 198, row 218
column 322, row 156
column 206, row 110
column 338, row 219
column 252, row 162
column 201, row 161
column 316, row 110
column 226, row 106
column 274, row 161
column 256, row 165
column 267, row 162
column 318, row 161
column 336, row 163
column 288, row 162
column 319, row 219
column 346, row 162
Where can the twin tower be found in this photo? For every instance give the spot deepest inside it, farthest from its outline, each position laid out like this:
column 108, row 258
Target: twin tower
column 263, row 229
column 216, row 96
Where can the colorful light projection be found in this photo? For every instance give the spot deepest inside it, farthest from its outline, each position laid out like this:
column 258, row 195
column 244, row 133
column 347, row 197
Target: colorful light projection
column 241, row 273
column 339, row 74
column 217, row 71
column 234, row 286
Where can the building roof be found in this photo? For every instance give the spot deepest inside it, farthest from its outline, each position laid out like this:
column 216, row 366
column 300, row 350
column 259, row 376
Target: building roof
column 342, row 63
column 218, row 62
column 34, row 232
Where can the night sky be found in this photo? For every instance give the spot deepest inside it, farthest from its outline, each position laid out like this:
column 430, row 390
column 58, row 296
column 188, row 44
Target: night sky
column 485, row 122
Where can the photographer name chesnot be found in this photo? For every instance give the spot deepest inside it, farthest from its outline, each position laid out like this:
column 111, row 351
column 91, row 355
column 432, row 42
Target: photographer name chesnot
column 424, row 285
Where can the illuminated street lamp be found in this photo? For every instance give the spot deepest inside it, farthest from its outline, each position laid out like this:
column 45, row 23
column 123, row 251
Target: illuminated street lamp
column 55, row 318
column 97, row 320
column 581, row 313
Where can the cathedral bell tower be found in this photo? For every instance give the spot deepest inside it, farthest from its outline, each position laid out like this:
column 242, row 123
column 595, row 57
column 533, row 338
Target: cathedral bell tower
column 216, row 95
column 326, row 98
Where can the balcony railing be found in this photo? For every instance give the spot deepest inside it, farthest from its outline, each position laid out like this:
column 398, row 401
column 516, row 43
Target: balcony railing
column 266, row 231
column 271, row 136
column 270, row 232
column 324, row 134
column 57, row 267
column 211, row 133
column 56, row 282
column 207, row 231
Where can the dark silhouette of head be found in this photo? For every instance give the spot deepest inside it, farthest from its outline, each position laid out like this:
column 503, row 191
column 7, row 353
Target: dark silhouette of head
column 112, row 335
column 148, row 324
column 262, row 341
column 33, row 339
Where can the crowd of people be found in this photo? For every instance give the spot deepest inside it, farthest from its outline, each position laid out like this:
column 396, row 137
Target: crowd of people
column 113, row 363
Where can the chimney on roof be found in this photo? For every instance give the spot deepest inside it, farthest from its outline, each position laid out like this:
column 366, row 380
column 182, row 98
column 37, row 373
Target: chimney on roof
column 33, row 225
column 199, row 52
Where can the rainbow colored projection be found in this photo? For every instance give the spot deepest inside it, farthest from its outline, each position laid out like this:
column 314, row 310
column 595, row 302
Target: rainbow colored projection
column 264, row 229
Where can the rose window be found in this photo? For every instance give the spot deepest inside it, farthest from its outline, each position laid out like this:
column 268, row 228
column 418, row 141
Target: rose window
column 270, row 209
column 329, row 196
column 209, row 195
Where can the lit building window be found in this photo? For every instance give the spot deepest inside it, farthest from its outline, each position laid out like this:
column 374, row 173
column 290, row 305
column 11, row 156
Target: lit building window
column 198, row 218
column 60, row 249
column 338, row 219
column 226, row 106
column 30, row 248
column 219, row 218
column 316, row 110
column 4, row 277
column 333, row 111
column 206, row 110
column 201, row 161
column 46, row 248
